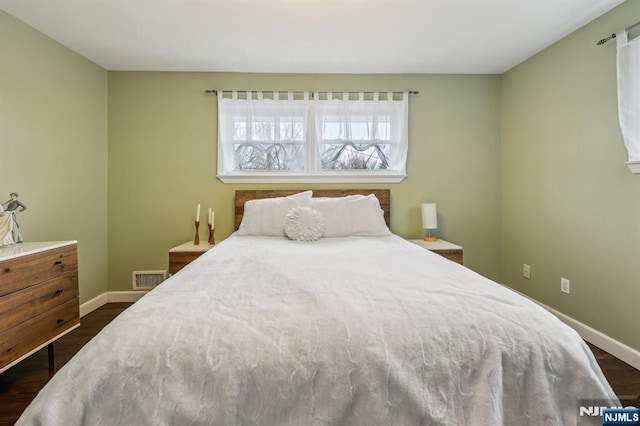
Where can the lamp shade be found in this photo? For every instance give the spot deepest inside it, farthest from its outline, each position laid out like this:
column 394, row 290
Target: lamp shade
column 429, row 216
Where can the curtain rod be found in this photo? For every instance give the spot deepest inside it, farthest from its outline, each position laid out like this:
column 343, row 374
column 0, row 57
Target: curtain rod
column 612, row 36
column 215, row 92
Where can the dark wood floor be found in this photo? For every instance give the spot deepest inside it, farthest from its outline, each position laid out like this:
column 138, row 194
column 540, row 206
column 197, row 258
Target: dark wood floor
column 20, row 384
column 623, row 378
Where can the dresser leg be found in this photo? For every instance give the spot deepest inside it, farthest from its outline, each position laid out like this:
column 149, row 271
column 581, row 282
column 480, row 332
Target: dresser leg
column 50, row 352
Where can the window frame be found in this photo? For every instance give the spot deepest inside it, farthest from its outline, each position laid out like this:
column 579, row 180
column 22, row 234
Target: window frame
column 313, row 171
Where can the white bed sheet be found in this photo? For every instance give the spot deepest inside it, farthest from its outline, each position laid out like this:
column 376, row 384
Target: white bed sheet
column 350, row 331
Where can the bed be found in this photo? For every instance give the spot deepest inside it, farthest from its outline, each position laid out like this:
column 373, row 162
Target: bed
column 356, row 329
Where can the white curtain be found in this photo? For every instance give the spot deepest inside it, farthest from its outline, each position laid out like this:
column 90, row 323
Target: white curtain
column 272, row 134
column 362, row 134
column 628, row 63
column 262, row 132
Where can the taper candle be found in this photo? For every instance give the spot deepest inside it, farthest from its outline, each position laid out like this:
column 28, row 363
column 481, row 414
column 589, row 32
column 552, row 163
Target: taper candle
column 198, row 213
column 213, row 219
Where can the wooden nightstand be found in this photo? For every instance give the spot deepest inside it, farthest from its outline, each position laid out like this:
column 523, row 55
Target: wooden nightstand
column 443, row 248
column 180, row 256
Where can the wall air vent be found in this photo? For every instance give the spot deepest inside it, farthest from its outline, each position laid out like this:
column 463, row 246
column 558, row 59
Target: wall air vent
column 147, row 280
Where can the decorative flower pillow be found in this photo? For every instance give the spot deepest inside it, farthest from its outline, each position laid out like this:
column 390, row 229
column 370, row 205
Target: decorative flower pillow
column 303, row 224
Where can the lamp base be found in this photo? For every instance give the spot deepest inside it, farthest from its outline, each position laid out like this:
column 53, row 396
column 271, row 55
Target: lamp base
column 430, row 239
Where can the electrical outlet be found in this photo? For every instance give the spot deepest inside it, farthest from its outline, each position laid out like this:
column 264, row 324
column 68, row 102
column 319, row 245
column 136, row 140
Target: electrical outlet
column 565, row 285
column 526, row 271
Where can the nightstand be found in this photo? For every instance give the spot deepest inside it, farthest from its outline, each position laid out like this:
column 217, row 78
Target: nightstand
column 443, row 248
column 180, row 256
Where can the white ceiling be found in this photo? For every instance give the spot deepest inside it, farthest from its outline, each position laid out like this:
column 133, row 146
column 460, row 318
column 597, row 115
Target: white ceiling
column 308, row 36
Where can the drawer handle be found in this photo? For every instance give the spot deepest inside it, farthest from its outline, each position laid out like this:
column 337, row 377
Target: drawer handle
column 58, row 263
column 60, row 321
column 7, row 270
column 58, row 292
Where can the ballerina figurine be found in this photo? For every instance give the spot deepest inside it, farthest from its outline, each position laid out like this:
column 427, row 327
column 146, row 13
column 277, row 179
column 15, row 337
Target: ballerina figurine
column 14, row 206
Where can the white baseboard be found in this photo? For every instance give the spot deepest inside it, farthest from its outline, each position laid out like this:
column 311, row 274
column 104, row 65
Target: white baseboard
column 124, row 296
column 618, row 349
column 608, row 344
column 93, row 304
column 110, row 297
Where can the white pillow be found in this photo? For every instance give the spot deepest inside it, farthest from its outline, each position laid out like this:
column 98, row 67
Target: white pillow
column 357, row 215
column 303, row 224
column 266, row 216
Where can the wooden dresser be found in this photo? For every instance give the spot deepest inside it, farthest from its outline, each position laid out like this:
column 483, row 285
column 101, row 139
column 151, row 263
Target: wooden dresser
column 38, row 297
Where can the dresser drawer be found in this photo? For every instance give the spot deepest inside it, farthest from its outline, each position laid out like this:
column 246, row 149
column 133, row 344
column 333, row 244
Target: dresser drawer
column 25, row 271
column 23, row 338
column 32, row 301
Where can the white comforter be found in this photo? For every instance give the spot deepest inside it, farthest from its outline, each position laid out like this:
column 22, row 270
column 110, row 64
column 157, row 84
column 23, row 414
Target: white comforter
column 351, row 331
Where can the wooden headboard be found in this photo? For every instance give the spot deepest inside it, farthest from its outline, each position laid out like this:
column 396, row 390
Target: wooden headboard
column 244, row 195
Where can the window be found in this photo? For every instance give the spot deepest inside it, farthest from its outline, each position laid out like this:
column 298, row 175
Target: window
column 309, row 139
column 628, row 64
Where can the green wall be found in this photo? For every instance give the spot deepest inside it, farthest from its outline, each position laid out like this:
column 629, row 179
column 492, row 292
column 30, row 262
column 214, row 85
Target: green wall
column 570, row 206
column 162, row 160
column 53, row 145
column 527, row 167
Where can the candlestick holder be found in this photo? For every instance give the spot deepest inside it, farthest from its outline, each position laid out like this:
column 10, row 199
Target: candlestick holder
column 212, row 239
column 196, row 239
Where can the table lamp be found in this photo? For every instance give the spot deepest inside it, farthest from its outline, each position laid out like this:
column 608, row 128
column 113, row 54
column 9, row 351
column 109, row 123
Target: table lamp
column 429, row 220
